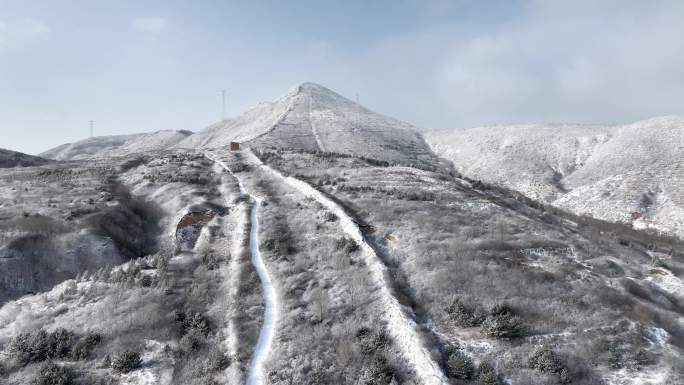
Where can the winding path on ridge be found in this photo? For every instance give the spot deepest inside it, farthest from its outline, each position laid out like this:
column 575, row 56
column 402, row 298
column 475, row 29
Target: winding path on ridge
column 255, row 375
column 400, row 324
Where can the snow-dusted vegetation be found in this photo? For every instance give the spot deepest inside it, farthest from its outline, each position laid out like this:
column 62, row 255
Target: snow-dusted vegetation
column 160, row 319
column 335, row 248
column 498, row 280
column 58, row 220
column 609, row 172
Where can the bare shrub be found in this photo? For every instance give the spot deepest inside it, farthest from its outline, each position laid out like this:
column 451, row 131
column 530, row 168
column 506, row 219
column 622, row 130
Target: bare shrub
column 548, row 361
column 346, row 245
column 216, row 361
column 126, row 361
column 371, row 341
column 486, row 375
column 41, row 345
column 84, row 347
column 502, row 323
column 459, row 365
column 211, row 260
column 53, row 374
column 465, row 315
column 194, row 329
column 192, row 341
column 192, row 321
column 379, row 371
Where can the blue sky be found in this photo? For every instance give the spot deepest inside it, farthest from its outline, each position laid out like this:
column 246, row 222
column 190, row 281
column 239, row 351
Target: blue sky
column 137, row 66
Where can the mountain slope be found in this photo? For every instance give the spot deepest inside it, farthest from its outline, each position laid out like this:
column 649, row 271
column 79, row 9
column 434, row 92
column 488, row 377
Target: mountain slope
column 605, row 171
column 10, row 158
column 117, row 145
column 314, row 118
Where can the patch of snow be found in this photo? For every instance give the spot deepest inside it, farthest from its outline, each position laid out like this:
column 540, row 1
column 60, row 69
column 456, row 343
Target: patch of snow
column 650, row 376
column 667, row 281
column 657, row 336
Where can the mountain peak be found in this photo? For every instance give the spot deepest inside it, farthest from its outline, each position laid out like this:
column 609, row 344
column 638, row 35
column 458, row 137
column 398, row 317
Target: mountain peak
column 311, row 88
column 314, row 118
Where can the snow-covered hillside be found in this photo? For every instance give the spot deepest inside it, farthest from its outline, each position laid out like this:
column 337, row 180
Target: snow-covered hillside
column 606, row 171
column 10, row 158
column 312, row 117
column 117, row 145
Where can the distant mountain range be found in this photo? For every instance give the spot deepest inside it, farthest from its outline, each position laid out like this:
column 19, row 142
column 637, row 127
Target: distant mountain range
column 10, row 158
column 629, row 173
column 615, row 173
column 118, row 145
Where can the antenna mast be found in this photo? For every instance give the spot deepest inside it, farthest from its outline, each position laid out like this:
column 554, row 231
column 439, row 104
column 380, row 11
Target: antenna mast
column 91, row 123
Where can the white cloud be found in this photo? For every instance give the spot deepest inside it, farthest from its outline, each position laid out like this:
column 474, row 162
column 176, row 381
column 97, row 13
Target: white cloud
column 581, row 61
column 153, row 25
column 18, row 33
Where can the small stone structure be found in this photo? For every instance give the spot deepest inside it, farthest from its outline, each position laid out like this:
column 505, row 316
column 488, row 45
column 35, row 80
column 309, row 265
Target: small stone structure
column 234, row 146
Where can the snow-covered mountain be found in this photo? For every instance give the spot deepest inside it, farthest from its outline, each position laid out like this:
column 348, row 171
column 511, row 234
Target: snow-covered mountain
column 312, row 117
column 117, row 145
column 10, row 158
column 609, row 172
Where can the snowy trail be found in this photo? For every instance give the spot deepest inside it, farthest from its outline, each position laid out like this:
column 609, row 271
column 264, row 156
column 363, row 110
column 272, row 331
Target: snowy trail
column 313, row 126
column 400, row 325
column 255, row 375
column 255, row 372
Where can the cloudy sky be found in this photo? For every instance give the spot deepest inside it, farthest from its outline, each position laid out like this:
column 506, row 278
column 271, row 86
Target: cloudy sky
column 137, row 66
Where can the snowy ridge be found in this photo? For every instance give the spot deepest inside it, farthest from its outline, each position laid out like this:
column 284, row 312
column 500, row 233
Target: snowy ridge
column 248, row 126
column 10, row 158
column 118, row 145
column 400, row 325
column 605, row 171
